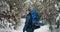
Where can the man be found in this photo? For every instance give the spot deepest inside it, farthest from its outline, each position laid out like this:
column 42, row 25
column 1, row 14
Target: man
column 27, row 26
column 31, row 20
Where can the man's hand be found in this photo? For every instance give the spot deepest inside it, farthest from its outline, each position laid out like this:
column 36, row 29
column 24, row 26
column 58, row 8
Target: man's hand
column 24, row 31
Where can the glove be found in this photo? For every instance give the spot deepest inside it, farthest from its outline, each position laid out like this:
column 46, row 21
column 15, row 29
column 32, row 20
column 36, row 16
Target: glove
column 25, row 31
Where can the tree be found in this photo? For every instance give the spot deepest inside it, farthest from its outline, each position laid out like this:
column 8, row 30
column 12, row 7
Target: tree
column 11, row 12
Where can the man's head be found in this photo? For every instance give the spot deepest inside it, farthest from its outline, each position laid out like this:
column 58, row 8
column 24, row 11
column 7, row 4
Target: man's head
column 27, row 11
column 31, row 7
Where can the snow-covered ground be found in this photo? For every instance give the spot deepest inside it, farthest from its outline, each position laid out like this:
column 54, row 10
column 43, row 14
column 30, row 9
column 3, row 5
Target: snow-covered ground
column 44, row 28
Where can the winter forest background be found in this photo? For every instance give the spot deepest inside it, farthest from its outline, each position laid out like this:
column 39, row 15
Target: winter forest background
column 12, row 11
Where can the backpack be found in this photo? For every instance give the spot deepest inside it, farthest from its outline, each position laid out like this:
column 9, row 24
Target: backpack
column 33, row 25
column 37, row 22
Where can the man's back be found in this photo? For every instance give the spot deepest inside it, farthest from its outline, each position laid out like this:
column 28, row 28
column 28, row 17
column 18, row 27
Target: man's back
column 34, row 15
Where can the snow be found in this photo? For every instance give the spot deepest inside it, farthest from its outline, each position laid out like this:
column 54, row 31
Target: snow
column 57, row 6
column 58, row 17
column 44, row 28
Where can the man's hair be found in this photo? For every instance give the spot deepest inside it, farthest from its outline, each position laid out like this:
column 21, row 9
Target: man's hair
column 28, row 10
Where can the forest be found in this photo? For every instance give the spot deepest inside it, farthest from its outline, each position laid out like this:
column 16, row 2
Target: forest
column 12, row 11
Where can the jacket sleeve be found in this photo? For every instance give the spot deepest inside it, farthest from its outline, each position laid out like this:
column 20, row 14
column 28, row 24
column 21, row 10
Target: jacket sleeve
column 26, row 23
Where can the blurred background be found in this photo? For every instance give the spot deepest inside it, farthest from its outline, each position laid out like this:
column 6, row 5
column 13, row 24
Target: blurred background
column 12, row 14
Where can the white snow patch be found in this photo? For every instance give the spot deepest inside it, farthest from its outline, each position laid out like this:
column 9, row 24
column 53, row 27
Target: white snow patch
column 44, row 28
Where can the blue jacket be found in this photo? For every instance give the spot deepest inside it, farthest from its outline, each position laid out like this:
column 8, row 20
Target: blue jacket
column 28, row 24
column 32, row 17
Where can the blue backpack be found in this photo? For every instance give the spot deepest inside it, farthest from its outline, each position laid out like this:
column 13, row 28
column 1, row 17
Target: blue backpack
column 35, row 18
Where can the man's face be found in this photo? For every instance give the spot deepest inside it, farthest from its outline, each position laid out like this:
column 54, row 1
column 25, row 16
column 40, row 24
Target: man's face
column 27, row 12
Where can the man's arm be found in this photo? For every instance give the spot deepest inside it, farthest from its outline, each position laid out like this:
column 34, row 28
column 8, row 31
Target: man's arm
column 26, row 23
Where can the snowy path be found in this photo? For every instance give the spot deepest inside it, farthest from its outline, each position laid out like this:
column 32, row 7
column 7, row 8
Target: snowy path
column 44, row 28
